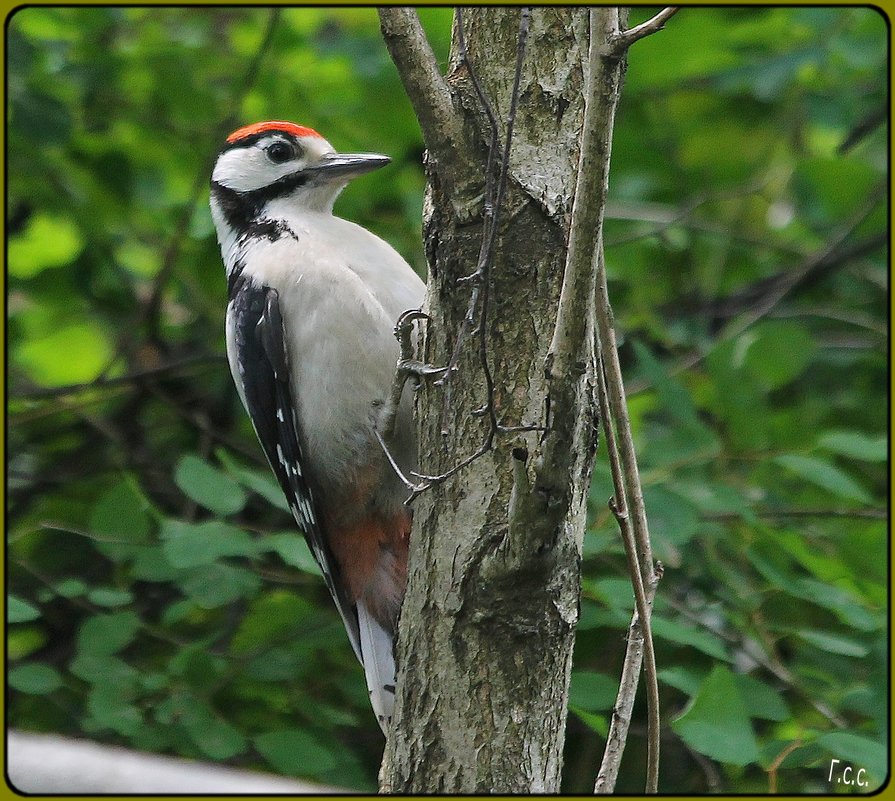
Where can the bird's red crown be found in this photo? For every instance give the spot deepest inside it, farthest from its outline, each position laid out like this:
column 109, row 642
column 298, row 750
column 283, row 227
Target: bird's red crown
column 273, row 125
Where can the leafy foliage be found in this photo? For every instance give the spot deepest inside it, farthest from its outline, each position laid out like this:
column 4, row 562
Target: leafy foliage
column 160, row 597
column 745, row 249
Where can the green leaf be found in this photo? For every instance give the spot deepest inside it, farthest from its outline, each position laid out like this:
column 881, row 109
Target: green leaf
column 615, row 593
column 671, row 446
column 674, row 399
column 120, row 515
column 292, row 548
column 34, row 679
column 104, row 669
column 140, row 259
column 761, row 700
column 778, row 352
column 710, row 497
column 69, row 354
column 215, row 737
column 196, row 665
column 860, row 751
column 113, row 709
column 179, row 611
column 215, row 585
column 194, row 544
column 260, row 482
column 22, row 641
column 269, row 620
column 855, row 445
column 841, row 603
column 824, row 475
column 680, row 634
column 592, row 692
column 208, row 486
column 295, row 752
column 107, row 634
column 682, row 678
column 837, row 185
column 716, row 723
column 19, row 611
column 47, row 241
column 672, row 518
column 70, row 587
column 597, row 723
column 737, row 399
column 275, row 665
column 107, row 596
column 833, row 643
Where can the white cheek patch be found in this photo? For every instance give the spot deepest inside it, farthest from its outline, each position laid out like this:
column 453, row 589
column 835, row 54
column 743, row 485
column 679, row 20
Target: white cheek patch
column 245, row 169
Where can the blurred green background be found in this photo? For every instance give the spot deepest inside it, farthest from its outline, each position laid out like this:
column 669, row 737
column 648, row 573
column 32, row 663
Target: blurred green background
column 159, row 595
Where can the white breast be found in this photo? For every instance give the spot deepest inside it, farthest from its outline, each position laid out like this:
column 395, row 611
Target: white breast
column 341, row 291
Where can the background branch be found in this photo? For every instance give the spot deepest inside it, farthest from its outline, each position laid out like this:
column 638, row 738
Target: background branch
column 428, row 92
column 653, row 25
column 41, row 764
column 629, row 505
column 135, row 377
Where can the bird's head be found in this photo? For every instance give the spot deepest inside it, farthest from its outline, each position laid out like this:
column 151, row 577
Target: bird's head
column 281, row 162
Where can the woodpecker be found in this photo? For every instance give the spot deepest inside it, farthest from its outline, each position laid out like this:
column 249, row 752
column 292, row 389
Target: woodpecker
column 313, row 302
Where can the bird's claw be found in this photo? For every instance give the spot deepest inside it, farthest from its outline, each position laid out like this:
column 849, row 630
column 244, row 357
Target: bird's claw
column 406, row 320
column 407, row 366
column 420, row 370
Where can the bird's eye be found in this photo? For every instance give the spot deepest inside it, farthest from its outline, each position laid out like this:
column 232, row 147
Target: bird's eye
column 280, row 152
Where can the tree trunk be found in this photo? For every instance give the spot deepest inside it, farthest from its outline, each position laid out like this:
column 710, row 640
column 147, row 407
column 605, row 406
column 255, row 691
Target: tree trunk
column 488, row 623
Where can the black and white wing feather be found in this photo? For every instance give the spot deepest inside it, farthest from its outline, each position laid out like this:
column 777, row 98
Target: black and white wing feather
column 260, row 364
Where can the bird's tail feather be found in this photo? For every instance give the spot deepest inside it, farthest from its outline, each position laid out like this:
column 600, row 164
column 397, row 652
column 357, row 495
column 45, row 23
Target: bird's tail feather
column 377, row 655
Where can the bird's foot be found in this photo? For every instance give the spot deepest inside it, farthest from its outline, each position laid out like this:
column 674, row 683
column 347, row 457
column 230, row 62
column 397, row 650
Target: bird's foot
column 407, row 367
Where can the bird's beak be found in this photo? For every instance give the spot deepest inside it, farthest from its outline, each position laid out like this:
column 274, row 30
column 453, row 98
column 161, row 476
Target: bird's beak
column 347, row 165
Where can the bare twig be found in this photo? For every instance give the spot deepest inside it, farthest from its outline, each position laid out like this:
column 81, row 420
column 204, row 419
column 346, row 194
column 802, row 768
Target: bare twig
column 634, row 494
column 415, row 489
column 493, row 202
column 441, row 125
column 709, row 770
column 119, row 381
column 775, row 514
column 585, row 247
column 641, row 633
column 863, row 129
column 640, row 643
column 653, row 25
column 778, row 761
column 576, row 296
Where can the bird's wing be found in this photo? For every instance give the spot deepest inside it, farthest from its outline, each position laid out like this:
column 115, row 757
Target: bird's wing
column 259, row 357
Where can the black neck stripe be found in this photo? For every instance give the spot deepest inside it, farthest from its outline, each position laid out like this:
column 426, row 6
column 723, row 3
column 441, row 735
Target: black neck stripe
column 241, row 208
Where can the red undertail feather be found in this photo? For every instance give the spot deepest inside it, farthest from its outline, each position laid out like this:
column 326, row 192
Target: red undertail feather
column 372, row 554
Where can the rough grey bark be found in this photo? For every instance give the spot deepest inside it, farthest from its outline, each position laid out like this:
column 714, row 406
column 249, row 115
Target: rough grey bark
column 488, row 623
